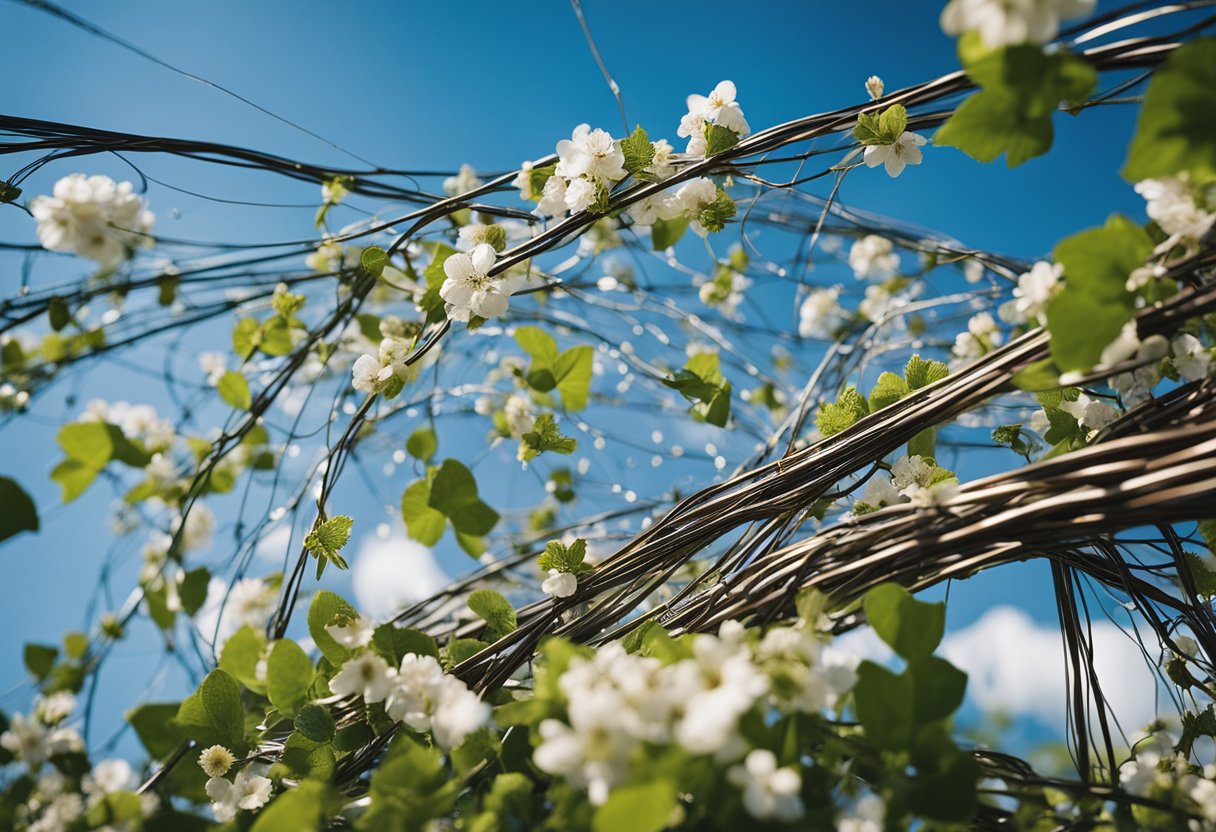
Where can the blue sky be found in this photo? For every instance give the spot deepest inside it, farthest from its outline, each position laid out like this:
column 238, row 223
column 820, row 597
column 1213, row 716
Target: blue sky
column 433, row 85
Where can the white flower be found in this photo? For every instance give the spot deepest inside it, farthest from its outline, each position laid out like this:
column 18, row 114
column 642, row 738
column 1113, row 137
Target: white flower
column 591, row 153
column 354, row 634
column 523, row 181
column 477, row 233
column 26, row 739
column 55, row 707
column 214, row 364
column 903, row 151
column 94, row 217
column 365, row 675
column 878, row 303
column 250, row 601
column 938, row 494
column 248, row 791
column 215, row 761
column 660, row 166
column 768, row 791
column 1034, row 290
column 366, row 374
column 560, row 584
column 658, row 207
column 580, row 194
column 415, row 682
column 426, row 699
column 981, row 336
column 107, row 777
column 874, row 87
column 553, row 198
column 468, row 289
column 592, row 752
column 1190, row 358
column 912, row 470
column 458, row 712
column 973, row 270
column 873, row 257
column 821, row 313
column 1005, row 22
column 463, row 182
column 880, row 492
column 1172, row 206
column 719, row 108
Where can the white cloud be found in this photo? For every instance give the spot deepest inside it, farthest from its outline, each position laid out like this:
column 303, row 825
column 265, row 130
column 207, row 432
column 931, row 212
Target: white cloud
column 390, row 573
column 1016, row 665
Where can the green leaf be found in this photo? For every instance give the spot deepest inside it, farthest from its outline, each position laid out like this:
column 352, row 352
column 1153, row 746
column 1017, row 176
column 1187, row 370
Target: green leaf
column 836, row 416
column 241, row 654
column 393, row 643
column 325, row 607
column 1039, row 375
column 1094, row 304
column 289, row 675
column 327, row 540
column 718, row 139
column 920, row 373
column 889, row 389
column 666, row 233
column 74, row 478
column 1022, row 87
column 155, row 725
column 276, row 336
column 646, row 807
column 17, row 511
column 638, row 151
column 246, row 336
column 193, row 589
column 58, row 312
column 234, row 390
column 213, row 714
column 572, row 370
column 316, row 723
column 422, row 444
column 714, row 215
column 947, row 795
column 1207, row 530
column 563, row 558
column 454, row 493
column 459, row 649
column 373, row 259
column 538, row 344
column 924, row 444
column 893, row 122
column 95, row 443
column 40, row 659
column 545, row 436
column 883, row 702
column 937, row 688
column 1177, row 127
column 1203, row 578
column 492, row 608
column 912, row 628
column 422, row 522
column 300, row 809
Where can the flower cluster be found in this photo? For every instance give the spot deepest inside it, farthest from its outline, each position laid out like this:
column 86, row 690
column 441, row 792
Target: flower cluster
column 1159, row 771
column 417, row 693
column 718, row 109
column 913, row 479
column 617, row 703
column 249, row 790
column 93, row 216
column 1184, row 213
column 981, row 337
column 1034, row 291
column 821, row 315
